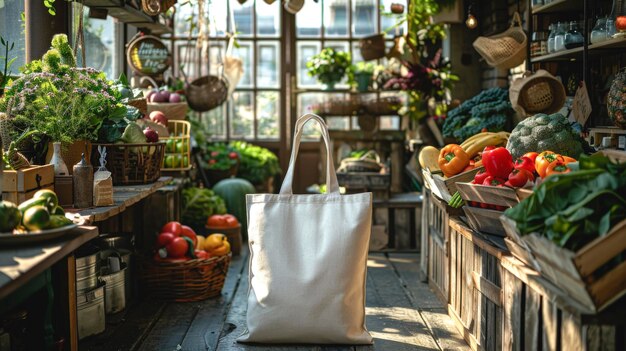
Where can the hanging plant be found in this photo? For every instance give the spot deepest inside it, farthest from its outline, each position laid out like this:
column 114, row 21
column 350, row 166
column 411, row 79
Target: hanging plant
column 329, row 66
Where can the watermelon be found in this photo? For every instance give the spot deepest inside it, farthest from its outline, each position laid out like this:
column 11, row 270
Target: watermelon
column 233, row 191
column 616, row 100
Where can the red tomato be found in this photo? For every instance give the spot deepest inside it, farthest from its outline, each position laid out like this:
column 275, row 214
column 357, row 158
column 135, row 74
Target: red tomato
column 526, row 163
column 164, row 238
column 233, row 155
column 201, row 254
column 519, row 177
column 494, row 181
column 479, row 178
column 172, row 227
column 531, row 155
column 177, row 248
column 188, row 232
column 222, row 221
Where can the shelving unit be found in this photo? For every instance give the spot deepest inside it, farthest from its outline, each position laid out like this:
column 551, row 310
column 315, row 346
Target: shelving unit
column 558, row 6
column 130, row 15
column 576, row 53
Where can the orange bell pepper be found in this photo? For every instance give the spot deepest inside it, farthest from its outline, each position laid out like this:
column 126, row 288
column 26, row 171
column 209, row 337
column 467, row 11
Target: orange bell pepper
column 557, row 167
column 452, row 160
column 568, row 159
column 543, row 161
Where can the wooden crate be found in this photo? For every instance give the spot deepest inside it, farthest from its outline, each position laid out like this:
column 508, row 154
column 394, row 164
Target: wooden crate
column 444, row 188
column 494, row 195
column 19, row 186
column 475, row 287
column 540, row 316
column 484, row 220
column 516, row 245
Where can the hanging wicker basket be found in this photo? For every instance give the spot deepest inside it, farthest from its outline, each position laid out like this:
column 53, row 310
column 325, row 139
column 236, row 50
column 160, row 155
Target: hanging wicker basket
column 505, row 50
column 206, row 93
column 373, row 47
column 539, row 92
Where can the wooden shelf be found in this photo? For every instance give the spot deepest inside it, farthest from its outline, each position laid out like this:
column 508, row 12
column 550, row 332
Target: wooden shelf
column 574, row 54
column 127, row 14
column 559, row 6
column 357, row 135
column 345, row 91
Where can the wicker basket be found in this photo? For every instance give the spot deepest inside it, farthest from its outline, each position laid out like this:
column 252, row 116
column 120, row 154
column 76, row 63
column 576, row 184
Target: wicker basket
column 172, row 110
column 383, row 106
column 132, row 163
column 537, row 93
column 505, row 50
column 206, row 93
column 181, row 157
column 184, row 281
column 373, row 47
column 341, row 107
column 361, row 164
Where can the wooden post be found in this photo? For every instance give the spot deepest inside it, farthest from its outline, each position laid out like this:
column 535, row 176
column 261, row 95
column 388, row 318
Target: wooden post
column 73, row 311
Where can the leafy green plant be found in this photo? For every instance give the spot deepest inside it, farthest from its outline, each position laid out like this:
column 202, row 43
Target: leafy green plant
column 257, row 164
column 4, row 75
column 329, row 66
column 219, row 156
column 198, row 205
column 364, row 68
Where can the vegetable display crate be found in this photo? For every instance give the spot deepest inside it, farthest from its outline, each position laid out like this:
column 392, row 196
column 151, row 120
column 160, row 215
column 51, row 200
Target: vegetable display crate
column 19, row 186
column 476, row 280
column 540, row 316
column 444, row 188
column 595, row 275
column 484, row 220
column 364, row 180
column 177, row 146
column 516, row 245
column 184, row 281
column 436, row 215
column 132, row 164
column 172, row 110
column 494, row 195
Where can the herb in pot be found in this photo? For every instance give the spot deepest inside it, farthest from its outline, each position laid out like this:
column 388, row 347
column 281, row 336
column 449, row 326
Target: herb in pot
column 329, row 66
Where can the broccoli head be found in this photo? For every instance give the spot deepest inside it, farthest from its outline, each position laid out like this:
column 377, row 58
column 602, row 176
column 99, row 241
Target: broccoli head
column 545, row 132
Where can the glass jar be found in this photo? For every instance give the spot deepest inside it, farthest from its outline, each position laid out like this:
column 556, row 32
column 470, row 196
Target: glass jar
column 598, row 33
column 538, row 45
column 559, row 36
column 573, row 38
column 550, row 46
column 610, row 27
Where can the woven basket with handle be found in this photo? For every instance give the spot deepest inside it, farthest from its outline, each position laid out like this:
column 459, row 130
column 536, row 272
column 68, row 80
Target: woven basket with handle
column 131, row 164
column 185, row 281
column 505, row 50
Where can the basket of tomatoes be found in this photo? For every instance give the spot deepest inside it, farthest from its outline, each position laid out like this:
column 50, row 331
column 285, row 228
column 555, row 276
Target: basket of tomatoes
column 228, row 225
column 186, row 266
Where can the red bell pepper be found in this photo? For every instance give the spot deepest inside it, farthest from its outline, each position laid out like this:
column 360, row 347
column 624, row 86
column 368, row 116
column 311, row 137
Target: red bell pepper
column 531, row 155
column 519, row 177
column 479, row 178
column 493, row 181
column 498, row 162
column 526, row 163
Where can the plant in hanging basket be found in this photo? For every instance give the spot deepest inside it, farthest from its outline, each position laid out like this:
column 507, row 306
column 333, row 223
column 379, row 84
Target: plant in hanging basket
column 329, row 66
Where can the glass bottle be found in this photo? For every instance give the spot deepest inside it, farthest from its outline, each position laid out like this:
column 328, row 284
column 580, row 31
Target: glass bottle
column 573, row 38
column 559, row 37
column 598, row 33
column 552, row 29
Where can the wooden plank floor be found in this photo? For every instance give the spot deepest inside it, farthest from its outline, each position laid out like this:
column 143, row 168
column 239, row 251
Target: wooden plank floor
column 402, row 314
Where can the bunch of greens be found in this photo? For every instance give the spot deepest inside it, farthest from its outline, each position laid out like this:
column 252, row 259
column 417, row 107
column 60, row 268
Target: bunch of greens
column 329, row 66
column 572, row 209
column 198, row 205
column 490, row 110
column 256, row 163
column 219, row 156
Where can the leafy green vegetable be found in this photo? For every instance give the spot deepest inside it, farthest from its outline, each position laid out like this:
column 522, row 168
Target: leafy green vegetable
column 257, row 164
column 572, row 209
column 199, row 204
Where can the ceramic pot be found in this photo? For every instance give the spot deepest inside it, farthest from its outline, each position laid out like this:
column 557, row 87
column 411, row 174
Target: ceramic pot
column 60, row 168
column 363, row 81
column 71, row 153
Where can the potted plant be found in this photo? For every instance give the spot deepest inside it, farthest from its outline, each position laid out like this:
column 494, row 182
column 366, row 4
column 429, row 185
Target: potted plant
column 220, row 161
column 329, row 66
column 257, row 164
column 63, row 103
column 363, row 72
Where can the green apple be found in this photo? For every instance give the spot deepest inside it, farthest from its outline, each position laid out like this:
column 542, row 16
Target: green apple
column 170, row 145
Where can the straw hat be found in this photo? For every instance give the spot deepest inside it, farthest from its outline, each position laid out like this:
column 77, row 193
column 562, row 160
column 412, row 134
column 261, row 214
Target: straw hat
column 538, row 92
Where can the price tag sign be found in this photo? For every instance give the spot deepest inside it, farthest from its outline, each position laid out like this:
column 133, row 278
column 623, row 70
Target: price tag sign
column 148, row 55
column 581, row 108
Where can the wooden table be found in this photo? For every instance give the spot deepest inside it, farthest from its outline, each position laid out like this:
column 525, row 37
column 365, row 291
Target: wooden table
column 123, row 197
column 409, row 201
column 22, row 264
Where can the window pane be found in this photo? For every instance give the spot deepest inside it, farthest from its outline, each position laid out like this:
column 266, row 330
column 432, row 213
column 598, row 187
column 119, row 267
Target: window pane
column 309, row 20
column 244, row 52
column 387, row 19
column 390, row 123
column 217, row 18
column 268, row 109
column 188, row 58
column 306, row 102
column 12, row 30
column 338, row 123
column 364, row 17
column 216, row 57
column 215, row 122
column 268, row 64
column 183, row 18
column 242, row 119
column 243, row 17
column 99, row 42
column 356, row 52
column 268, row 18
column 336, row 18
column 305, row 50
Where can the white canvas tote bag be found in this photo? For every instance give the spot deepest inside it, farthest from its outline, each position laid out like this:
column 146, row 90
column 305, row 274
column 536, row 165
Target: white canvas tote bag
column 308, row 261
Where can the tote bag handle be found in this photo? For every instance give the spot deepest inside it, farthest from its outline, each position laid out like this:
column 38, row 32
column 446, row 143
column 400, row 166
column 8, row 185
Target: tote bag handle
column 332, row 186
